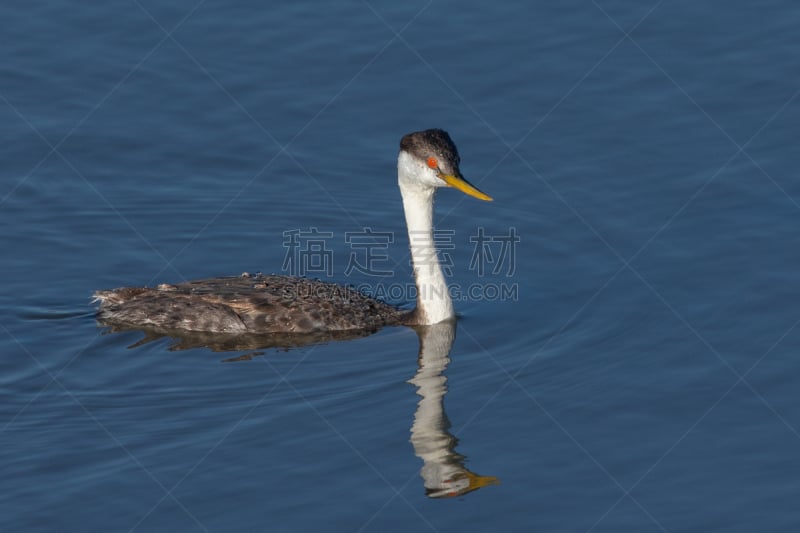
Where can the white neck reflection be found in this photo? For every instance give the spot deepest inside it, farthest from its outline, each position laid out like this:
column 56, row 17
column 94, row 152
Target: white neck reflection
column 443, row 471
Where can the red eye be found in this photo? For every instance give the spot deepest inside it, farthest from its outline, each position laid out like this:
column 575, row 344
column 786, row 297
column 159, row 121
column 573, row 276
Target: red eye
column 433, row 163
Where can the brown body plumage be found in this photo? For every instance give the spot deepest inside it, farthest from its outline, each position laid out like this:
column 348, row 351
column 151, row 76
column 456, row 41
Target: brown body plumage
column 260, row 303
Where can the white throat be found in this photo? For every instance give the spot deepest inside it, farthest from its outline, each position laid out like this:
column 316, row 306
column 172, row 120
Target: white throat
column 433, row 299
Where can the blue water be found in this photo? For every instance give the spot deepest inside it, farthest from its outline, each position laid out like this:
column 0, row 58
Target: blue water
column 643, row 377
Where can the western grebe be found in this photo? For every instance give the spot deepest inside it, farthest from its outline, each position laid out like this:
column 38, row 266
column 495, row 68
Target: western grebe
column 266, row 304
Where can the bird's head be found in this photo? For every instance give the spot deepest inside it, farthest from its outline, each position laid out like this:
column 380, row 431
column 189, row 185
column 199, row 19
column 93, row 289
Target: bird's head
column 429, row 159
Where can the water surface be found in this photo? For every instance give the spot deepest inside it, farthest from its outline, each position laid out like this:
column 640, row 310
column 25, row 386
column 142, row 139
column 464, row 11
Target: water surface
column 642, row 379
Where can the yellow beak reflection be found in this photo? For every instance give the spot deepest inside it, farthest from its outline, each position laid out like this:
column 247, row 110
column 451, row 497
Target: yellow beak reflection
column 464, row 186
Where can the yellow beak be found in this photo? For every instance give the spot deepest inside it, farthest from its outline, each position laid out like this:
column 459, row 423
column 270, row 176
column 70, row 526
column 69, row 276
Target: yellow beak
column 464, row 186
column 476, row 482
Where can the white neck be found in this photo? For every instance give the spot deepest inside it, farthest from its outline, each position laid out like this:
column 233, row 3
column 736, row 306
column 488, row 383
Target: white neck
column 433, row 299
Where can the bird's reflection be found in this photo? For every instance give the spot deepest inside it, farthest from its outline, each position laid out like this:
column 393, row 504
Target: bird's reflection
column 443, row 470
column 231, row 342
